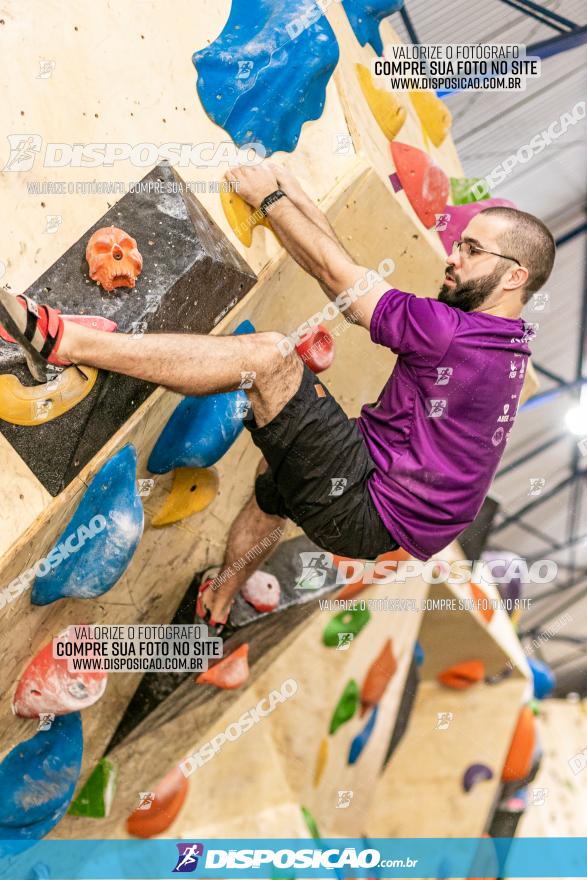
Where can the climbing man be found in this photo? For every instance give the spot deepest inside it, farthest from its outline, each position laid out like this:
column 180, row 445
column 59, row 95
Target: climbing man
column 415, row 466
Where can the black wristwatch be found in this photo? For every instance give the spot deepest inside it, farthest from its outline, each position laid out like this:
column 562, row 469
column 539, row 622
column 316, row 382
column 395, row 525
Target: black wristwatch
column 270, row 200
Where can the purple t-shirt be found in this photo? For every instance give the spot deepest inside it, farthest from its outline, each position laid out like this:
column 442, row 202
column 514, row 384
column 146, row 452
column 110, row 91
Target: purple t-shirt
column 440, row 425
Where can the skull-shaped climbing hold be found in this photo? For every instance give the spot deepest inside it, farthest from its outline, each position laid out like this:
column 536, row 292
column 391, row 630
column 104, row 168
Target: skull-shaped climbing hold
column 113, row 258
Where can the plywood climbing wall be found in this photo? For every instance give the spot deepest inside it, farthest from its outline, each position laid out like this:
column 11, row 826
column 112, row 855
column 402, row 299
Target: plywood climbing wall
column 87, row 76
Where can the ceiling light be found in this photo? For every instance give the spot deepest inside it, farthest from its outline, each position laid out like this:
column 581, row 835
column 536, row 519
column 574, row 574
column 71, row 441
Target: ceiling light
column 576, row 419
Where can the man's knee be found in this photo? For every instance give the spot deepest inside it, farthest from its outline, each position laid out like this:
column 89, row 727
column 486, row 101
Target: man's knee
column 275, row 358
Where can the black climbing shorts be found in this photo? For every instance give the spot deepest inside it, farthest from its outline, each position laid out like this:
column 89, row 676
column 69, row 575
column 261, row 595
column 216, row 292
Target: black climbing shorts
column 318, row 471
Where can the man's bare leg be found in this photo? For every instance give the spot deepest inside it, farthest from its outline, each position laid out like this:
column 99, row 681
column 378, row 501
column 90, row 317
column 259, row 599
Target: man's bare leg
column 191, row 364
column 252, row 538
column 197, row 365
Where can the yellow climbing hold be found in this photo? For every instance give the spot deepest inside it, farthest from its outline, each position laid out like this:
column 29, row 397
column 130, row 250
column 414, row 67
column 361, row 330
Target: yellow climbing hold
column 36, row 404
column 434, row 115
column 385, row 107
column 321, row 761
column 193, row 490
column 241, row 217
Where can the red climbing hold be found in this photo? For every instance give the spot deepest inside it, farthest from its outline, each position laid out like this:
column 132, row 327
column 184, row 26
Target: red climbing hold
column 378, row 677
column 156, row 813
column 230, row 673
column 519, row 758
column 462, row 675
column 262, row 591
column 317, row 349
column 46, row 686
column 425, row 184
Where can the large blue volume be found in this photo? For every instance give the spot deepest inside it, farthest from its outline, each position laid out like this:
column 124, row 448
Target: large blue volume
column 38, row 779
column 97, row 546
column 201, row 429
column 266, row 73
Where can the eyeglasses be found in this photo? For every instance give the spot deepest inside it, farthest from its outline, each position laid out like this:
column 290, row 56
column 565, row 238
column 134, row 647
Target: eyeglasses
column 470, row 250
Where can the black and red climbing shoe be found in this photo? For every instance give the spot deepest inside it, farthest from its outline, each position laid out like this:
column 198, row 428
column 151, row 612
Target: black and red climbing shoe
column 38, row 330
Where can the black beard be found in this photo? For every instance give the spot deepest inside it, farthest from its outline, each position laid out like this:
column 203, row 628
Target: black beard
column 469, row 295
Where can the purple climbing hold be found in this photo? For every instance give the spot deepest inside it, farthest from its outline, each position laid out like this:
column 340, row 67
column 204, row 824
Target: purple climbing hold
column 476, row 773
column 457, row 218
column 504, row 569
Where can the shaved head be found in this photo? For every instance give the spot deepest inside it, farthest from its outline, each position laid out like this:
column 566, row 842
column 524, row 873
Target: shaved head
column 526, row 238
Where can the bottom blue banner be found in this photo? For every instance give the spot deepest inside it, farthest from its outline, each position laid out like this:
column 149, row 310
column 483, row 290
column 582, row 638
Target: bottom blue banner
column 339, row 858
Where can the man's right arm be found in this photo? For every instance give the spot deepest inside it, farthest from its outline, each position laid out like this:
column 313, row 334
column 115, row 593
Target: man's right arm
column 289, row 183
column 355, row 289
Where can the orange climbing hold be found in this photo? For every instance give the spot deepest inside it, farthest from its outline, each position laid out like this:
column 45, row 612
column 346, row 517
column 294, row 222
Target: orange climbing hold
column 378, row 677
column 230, row 673
column 113, row 258
column 46, row 686
column 154, row 816
column 462, row 675
column 356, row 587
column 483, row 602
column 519, row 758
column 321, row 761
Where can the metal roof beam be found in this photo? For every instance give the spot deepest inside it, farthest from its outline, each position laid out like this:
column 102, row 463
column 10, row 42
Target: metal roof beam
column 539, row 14
column 532, row 505
column 530, row 455
column 555, row 45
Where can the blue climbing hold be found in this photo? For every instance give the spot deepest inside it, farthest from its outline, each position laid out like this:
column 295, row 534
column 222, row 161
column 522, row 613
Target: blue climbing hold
column 97, row 546
column 201, row 429
column 38, row 779
column 362, row 738
column 544, row 678
column 39, row 872
column 365, row 17
column 418, row 654
column 266, row 73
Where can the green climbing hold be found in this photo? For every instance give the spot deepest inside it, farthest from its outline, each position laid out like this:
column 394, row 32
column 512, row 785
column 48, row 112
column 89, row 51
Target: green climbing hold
column 468, row 189
column 346, row 622
column 534, row 707
column 346, row 706
column 95, row 798
column 311, row 823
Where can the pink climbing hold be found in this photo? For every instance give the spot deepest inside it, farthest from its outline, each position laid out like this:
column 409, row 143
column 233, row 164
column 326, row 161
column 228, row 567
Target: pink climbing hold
column 47, row 687
column 262, row 591
column 457, row 218
column 229, row 673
